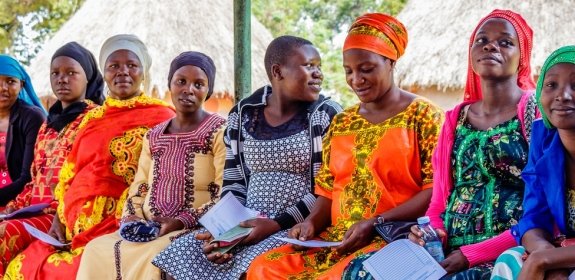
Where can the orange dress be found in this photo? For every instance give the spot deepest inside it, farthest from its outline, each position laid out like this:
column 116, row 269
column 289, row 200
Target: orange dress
column 93, row 183
column 367, row 169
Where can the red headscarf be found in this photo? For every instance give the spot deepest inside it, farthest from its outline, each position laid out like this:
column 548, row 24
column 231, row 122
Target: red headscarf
column 525, row 34
column 378, row 33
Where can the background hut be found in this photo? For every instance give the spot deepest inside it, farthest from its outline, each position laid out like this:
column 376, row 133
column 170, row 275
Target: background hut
column 435, row 62
column 167, row 29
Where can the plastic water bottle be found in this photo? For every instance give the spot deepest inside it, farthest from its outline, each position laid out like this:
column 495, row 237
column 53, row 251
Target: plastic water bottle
column 433, row 243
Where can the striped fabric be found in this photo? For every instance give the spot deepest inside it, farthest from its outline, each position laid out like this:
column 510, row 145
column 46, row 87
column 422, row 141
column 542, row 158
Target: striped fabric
column 237, row 175
column 509, row 264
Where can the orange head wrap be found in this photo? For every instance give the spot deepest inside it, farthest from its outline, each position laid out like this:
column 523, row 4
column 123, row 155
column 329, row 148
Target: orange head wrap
column 525, row 34
column 378, row 33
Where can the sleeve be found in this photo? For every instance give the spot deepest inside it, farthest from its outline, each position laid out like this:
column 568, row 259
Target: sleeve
column 324, row 179
column 234, row 180
column 190, row 217
column 489, row 249
column 139, row 188
column 429, row 124
column 536, row 212
column 35, row 119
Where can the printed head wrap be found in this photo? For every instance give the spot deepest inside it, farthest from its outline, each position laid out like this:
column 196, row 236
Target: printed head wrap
column 199, row 60
column 95, row 87
column 11, row 67
column 132, row 43
column 564, row 54
column 525, row 36
column 378, row 33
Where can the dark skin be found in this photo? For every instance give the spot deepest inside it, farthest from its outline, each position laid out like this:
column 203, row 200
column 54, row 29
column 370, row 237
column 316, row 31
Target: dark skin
column 558, row 100
column 495, row 58
column 294, row 85
column 371, row 77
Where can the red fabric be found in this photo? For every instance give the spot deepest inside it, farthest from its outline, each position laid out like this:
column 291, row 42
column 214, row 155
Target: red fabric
column 525, row 34
column 97, row 171
column 378, row 33
column 14, row 238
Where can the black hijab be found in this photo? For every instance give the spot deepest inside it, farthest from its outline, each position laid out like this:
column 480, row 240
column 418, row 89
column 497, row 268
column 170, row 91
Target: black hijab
column 199, row 60
column 58, row 118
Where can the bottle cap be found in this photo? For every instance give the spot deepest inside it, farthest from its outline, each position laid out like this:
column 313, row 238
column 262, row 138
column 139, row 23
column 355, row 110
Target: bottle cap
column 423, row 220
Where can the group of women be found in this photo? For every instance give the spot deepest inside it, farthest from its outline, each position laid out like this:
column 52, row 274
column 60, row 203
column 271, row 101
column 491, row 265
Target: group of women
column 125, row 178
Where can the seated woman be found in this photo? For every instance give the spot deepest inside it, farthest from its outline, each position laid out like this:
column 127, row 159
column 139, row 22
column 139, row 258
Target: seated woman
column 21, row 116
column 178, row 179
column 549, row 205
column 376, row 162
column 478, row 191
column 272, row 155
column 94, row 178
column 78, row 85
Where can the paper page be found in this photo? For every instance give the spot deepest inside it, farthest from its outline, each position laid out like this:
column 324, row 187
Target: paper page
column 226, row 214
column 43, row 236
column 310, row 243
column 403, row 260
column 233, row 234
column 572, row 276
column 30, row 209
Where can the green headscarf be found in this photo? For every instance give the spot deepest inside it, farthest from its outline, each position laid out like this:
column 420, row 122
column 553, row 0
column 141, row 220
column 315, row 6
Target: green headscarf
column 564, row 54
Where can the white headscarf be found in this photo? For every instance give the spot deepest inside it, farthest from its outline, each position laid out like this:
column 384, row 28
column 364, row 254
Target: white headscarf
column 132, row 43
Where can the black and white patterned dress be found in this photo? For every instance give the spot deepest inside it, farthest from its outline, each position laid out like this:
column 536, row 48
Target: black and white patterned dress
column 278, row 161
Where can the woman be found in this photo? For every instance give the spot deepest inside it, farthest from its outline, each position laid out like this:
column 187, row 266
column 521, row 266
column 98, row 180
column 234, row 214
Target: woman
column 166, row 189
column 482, row 149
column 21, row 116
column 94, row 178
column 549, row 205
column 271, row 159
column 78, row 85
column 376, row 162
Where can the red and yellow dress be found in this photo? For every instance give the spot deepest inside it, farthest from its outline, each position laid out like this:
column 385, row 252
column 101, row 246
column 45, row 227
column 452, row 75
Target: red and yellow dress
column 93, row 183
column 367, row 169
column 51, row 149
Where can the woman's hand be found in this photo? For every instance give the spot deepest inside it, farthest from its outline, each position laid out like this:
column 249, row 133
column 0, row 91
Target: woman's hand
column 168, row 225
column 208, row 249
column 302, row 231
column 455, row 262
column 262, row 229
column 357, row 236
column 58, row 231
column 416, row 235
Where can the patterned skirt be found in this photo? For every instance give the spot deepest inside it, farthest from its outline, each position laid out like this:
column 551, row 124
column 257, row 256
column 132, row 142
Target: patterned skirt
column 185, row 259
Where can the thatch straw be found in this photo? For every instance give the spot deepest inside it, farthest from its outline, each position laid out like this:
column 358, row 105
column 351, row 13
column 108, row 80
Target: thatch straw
column 167, row 28
column 439, row 33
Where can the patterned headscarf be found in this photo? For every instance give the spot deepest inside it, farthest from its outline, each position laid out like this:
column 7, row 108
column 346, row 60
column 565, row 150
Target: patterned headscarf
column 132, row 43
column 564, row 54
column 199, row 60
column 95, row 87
column 11, row 68
column 525, row 34
column 378, row 33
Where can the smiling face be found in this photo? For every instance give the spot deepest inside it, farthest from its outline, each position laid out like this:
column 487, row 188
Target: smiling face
column 189, row 87
column 9, row 89
column 558, row 95
column 301, row 75
column 495, row 53
column 369, row 75
column 68, row 80
column 123, row 74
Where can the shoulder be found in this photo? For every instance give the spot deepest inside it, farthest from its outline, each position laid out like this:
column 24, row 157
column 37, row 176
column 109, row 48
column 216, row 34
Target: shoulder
column 30, row 113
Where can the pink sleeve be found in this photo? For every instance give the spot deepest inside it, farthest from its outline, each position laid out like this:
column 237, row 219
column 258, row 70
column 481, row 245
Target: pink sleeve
column 489, row 249
column 441, row 161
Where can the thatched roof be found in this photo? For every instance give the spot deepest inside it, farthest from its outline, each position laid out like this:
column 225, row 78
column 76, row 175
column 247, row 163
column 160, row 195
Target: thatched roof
column 439, row 33
column 167, row 28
